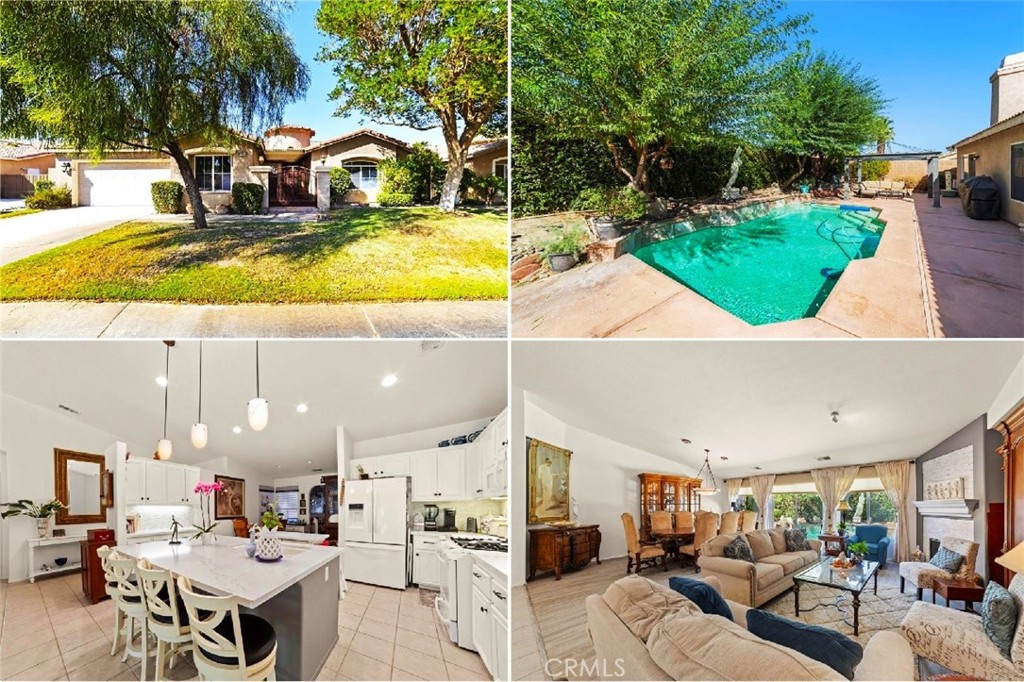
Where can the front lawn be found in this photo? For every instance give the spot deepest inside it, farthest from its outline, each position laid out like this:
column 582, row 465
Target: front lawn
column 367, row 254
column 19, row 211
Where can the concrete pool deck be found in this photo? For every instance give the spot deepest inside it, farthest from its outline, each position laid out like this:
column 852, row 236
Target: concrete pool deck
column 936, row 273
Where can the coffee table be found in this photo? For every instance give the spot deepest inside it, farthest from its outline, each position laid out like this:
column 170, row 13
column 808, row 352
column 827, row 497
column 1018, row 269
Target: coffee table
column 852, row 580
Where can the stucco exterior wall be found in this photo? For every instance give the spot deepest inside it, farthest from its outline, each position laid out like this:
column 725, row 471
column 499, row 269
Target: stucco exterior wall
column 19, row 166
column 484, row 164
column 359, row 148
column 243, row 156
column 993, row 159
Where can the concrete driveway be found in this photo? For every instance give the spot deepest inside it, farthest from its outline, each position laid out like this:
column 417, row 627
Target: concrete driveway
column 26, row 235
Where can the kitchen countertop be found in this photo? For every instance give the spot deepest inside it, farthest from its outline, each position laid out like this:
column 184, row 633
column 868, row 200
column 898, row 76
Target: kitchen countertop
column 496, row 561
column 150, row 533
column 223, row 568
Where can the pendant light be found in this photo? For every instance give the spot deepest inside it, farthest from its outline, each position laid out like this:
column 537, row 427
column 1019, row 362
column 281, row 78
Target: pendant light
column 708, row 486
column 163, row 446
column 199, row 431
column 259, row 410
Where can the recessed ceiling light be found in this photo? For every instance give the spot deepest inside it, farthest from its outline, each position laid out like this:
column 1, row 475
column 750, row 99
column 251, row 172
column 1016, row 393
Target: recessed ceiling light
column 757, row 468
column 161, row 381
column 389, row 380
column 309, row 461
column 302, row 408
column 277, row 466
column 237, row 429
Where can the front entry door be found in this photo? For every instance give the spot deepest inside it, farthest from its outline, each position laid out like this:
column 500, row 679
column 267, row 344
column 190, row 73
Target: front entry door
column 292, row 187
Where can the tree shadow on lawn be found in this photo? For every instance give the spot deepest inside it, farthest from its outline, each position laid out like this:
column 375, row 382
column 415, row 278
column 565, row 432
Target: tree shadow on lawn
column 306, row 243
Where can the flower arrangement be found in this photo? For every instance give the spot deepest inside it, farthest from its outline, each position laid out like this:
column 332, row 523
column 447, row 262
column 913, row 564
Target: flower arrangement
column 207, row 490
column 42, row 513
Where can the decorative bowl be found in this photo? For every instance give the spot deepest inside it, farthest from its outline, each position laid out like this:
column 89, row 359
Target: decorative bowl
column 61, row 560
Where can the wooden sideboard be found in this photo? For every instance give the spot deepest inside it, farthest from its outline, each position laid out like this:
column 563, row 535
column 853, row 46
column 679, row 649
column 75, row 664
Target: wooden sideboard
column 1012, row 452
column 558, row 549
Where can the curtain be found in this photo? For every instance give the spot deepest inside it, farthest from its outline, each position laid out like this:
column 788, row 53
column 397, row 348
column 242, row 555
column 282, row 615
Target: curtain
column 732, row 485
column 762, row 486
column 832, row 485
column 895, row 477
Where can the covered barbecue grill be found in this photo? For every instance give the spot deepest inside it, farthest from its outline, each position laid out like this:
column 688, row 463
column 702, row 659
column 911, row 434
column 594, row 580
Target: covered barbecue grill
column 980, row 198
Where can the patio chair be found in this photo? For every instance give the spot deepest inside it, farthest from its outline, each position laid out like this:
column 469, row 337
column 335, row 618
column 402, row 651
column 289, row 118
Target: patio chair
column 640, row 554
column 922, row 574
column 877, row 538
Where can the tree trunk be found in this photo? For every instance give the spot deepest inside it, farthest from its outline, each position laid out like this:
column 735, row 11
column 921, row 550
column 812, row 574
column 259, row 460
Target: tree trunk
column 801, row 162
column 191, row 186
column 453, row 177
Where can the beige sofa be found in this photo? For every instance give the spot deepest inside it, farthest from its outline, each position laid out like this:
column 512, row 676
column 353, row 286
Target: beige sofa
column 754, row 584
column 885, row 188
column 645, row 631
column 956, row 639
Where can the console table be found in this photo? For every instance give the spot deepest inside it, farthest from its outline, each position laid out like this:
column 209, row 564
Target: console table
column 72, row 555
column 556, row 549
column 832, row 545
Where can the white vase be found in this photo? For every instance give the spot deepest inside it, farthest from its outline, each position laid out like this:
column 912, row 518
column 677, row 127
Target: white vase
column 43, row 526
column 268, row 546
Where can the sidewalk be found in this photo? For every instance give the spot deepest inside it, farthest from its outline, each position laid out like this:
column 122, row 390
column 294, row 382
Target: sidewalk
column 60, row 319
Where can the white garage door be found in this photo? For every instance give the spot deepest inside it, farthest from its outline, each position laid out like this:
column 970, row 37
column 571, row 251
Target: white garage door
column 120, row 184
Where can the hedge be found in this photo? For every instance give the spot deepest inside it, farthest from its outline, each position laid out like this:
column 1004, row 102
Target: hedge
column 54, row 197
column 386, row 198
column 167, row 196
column 247, row 198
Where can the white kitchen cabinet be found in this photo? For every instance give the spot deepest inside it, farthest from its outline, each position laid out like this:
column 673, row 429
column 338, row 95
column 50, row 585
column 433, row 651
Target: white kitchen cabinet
column 175, row 485
column 423, row 468
column 135, row 482
column 152, row 482
column 483, row 632
column 439, row 474
column 426, row 564
column 380, row 467
column 156, row 483
column 499, row 636
column 192, row 476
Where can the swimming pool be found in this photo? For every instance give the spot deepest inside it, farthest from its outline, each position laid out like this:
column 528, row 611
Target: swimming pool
column 774, row 264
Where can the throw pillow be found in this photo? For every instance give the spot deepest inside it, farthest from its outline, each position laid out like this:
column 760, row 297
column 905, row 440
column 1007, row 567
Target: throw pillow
column 761, row 542
column 701, row 594
column 778, row 536
column 796, row 541
column 947, row 560
column 834, row 649
column 998, row 616
column 739, row 549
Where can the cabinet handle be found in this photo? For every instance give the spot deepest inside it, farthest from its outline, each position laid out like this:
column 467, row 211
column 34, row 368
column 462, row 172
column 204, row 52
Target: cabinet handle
column 483, row 610
column 477, row 574
column 499, row 596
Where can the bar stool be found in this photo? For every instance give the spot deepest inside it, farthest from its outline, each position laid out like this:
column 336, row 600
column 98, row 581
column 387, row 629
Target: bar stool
column 228, row 645
column 110, row 587
column 131, row 601
column 168, row 620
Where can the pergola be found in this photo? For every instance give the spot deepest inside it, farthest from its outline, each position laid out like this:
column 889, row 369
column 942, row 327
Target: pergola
column 930, row 156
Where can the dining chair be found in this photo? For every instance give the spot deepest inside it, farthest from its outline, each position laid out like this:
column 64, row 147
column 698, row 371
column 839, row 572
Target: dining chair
column 130, row 600
column 684, row 520
column 110, row 587
column 661, row 522
column 639, row 553
column 168, row 620
column 241, row 527
column 706, row 528
column 748, row 520
column 227, row 645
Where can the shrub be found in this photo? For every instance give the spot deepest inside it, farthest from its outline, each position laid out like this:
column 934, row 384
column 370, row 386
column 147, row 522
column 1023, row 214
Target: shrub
column 43, row 184
column 167, row 196
column 341, row 180
column 624, row 202
column 874, row 170
column 428, row 171
column 247, row 197
column 487, row 187
column 396, row 177
column 569, row 240
column 54, row 197
column 388, row 198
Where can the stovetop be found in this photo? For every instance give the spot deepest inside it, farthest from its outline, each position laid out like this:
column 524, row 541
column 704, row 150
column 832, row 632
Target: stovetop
column 481, row 544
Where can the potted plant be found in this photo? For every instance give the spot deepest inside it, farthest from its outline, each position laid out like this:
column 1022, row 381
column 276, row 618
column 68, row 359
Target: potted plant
column 858, row 550
column 42, row 513
column 270, row 519
column 563, row 251
column 613, row 207
column 205, row 530
column 841, row 527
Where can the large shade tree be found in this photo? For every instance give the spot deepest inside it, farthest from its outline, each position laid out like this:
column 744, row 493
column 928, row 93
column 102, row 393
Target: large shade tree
column 828, row 109
column 102, row 76
column 644, row 77
column 421, row 64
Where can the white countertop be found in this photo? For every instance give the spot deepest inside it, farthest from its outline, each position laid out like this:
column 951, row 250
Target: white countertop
column 148, row 533
column 223, row 568
column 496, row 561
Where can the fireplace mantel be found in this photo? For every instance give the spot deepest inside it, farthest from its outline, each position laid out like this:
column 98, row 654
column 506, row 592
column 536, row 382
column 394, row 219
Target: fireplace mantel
column 957, row 509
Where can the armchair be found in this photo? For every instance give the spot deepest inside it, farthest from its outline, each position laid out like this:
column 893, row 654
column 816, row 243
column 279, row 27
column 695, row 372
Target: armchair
column 877, row 539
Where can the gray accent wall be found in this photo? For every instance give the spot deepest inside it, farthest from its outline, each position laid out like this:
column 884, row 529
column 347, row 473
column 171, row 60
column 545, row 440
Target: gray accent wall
column 988, row 479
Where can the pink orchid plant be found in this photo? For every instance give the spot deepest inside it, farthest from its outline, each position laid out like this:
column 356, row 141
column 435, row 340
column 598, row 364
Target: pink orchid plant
column 208, row 523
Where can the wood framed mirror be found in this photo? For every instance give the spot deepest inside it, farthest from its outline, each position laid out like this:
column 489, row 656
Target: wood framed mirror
column 79, row 484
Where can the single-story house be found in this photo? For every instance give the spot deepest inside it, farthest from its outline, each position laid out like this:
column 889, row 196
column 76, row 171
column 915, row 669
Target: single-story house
column 286, row 161
column 21, row 163
column 998, row 151
column 489, row 157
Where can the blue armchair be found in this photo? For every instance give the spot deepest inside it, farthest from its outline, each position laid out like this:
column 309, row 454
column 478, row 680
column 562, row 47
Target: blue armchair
column 877, row 539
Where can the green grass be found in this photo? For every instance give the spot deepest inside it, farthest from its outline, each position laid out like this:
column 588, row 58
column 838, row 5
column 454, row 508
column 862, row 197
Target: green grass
column 19, row 211
column 370, row 254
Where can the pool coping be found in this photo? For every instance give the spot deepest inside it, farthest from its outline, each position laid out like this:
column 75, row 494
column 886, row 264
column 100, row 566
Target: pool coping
column 882, row 296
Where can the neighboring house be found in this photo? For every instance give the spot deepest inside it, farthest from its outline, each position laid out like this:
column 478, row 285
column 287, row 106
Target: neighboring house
column 489, row 157
column 21, row 163
column 284, row 161
column 998, row 151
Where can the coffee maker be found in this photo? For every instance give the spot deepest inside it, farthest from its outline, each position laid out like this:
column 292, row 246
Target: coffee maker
column 430, row 517
column 449, row 521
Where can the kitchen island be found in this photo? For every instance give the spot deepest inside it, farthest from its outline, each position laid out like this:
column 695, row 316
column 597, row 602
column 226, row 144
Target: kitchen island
column 297, row 595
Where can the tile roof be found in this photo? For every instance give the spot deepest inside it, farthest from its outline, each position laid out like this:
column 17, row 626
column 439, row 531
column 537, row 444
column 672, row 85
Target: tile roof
column 19, row 149
column 485, row 146
column 1006, row 123
column 356, row 133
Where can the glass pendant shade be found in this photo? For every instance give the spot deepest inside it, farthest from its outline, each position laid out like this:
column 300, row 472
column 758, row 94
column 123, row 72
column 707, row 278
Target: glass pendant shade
column 199, row 436
column 259, row 414
column 163, row 448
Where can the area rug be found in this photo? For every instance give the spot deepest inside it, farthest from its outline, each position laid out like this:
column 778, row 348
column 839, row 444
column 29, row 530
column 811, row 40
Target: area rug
column 428, row 597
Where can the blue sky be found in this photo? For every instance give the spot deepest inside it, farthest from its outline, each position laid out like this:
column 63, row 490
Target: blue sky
column 932, row 59
column 317, row 111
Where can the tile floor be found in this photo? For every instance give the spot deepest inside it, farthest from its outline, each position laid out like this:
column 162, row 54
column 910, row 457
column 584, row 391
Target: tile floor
column 48, row 631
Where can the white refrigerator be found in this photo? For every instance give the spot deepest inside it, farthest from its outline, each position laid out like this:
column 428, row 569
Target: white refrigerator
column 376, row 524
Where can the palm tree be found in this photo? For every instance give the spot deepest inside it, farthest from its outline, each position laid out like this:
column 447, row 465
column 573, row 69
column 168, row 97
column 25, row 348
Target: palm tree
column 883, row 133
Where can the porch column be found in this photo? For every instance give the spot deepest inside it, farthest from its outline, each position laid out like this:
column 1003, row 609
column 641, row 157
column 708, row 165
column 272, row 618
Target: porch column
column 323, row 188
column 933, row 172
column 262, row 175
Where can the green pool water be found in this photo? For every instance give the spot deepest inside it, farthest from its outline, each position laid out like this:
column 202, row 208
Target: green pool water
column 772, row 268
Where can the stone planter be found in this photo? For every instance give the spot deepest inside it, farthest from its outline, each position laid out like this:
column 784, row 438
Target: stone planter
column 560, row 262
column 608, row 228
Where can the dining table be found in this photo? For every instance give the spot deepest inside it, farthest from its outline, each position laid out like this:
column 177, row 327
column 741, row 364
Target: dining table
column 671, row 540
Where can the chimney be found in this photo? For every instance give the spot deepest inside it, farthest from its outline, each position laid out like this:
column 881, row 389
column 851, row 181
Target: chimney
column 1008, row 88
